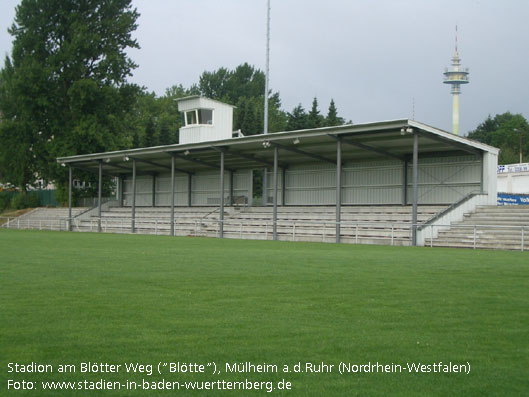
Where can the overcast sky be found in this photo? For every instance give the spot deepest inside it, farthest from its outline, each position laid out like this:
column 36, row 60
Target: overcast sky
column 375, row 58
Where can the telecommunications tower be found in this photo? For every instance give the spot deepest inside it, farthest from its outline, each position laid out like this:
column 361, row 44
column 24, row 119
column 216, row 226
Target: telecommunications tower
column 455, row 78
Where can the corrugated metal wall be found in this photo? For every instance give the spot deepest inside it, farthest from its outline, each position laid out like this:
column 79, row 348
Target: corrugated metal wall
column 372, row 183
column 270, row 187
column 241, row 186
column 143, row 191
column 163, row 190
column 446, row 180
column 442, row 180
column 205, row 189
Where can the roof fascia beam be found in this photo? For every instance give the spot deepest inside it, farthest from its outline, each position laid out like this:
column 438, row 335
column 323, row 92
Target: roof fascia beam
column 371, row 132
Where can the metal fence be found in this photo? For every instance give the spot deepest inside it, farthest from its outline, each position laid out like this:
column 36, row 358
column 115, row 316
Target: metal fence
column 59, row 224
column 474, row 236
column 500, row 236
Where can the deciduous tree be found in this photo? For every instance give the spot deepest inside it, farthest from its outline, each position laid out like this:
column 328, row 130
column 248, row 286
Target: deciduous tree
column 63, row 90
column 505, row 131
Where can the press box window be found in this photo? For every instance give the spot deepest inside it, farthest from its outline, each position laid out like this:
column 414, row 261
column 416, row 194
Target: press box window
column 191, row 117
column 205, row 116
column 199, row 116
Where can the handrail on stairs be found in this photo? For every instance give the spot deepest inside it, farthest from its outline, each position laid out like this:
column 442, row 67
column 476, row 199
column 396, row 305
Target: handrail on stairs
column 448, row 209
column 234, row 202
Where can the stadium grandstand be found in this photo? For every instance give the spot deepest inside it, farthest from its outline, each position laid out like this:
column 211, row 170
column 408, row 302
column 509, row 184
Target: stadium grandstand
column 390, row 182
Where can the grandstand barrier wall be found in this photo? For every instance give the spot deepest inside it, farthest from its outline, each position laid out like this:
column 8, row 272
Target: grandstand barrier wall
column 454, row 214
column 394, row 234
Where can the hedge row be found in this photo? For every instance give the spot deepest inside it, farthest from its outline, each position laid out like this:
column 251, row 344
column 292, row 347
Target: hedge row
column 18, row 201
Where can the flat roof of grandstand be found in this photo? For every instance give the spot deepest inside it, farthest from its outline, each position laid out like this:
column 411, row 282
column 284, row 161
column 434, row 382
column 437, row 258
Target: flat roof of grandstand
column 367, row 141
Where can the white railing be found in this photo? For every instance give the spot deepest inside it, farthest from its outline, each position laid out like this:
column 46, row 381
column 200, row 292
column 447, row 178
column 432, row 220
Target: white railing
column 390, row 233
column 501, row 236
column 58, row 224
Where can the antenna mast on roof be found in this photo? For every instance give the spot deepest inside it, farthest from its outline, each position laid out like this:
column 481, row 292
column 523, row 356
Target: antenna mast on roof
column 267, row 69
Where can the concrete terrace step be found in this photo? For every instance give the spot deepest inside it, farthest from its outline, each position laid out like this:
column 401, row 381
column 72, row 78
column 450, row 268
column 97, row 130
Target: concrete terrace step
column 469, row 243
column 360, row 224
column 481, row 212
column 489, row 227
column 505, row 217
column 164, row 209
column 332, row 217
column 484, row 220
column 44, row 219
column 492, row 222
column 503, row 208
column 506, row 209
column 314, row 229
column 515, row 236
column 324, row 239
column 51, row 212
column 154, row 216
column 350, row 209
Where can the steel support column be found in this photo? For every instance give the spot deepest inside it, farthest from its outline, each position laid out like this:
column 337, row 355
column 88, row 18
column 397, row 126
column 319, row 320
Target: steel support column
column 338, row 187
column 189, row 188
column 119, row 187
column 172, row 195
column 69, row 199
column 231, row 188
column 99, row 189
column 121, row 191
column 283, row 186
column 274, row 220
column 482, row 164
column 250, row 189
column 265, row 188
column 405, row 182
column 415, row 178
column 221, row 210
column 154, row 190
column 133, row 221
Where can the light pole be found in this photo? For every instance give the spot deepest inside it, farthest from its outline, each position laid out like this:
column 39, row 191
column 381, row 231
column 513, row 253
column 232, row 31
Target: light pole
column 520, row 131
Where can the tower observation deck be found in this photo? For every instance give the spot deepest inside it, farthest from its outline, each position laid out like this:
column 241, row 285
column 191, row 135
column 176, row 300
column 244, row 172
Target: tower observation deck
column 455, row 78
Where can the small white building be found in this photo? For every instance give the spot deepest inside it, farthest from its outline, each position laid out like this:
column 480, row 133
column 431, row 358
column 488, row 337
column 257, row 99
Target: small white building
column 205, row 120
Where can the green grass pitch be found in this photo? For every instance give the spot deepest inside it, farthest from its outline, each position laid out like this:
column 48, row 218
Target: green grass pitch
column 68, row 298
